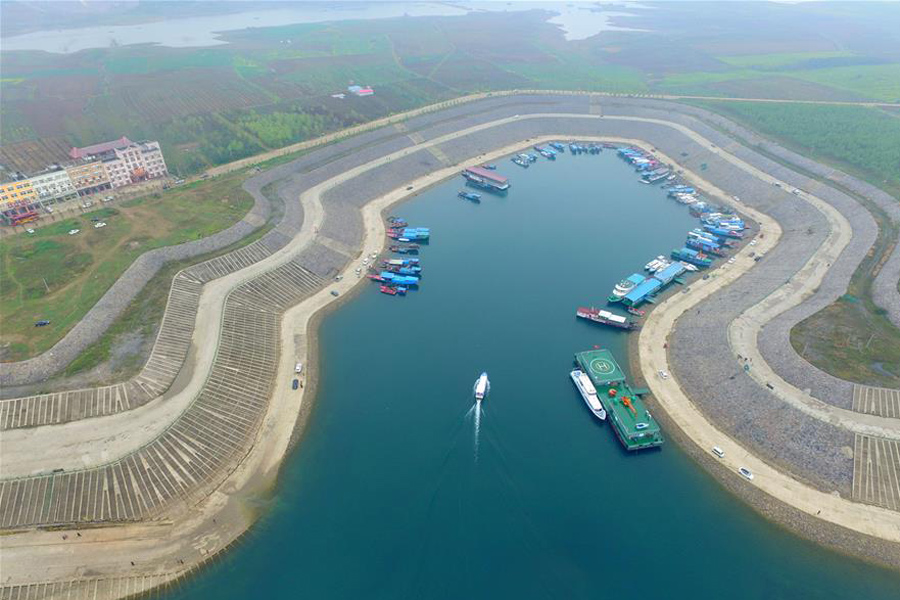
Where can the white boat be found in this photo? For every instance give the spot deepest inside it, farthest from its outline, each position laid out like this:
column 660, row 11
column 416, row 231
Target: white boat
column 588, row 393
column 482, row 386
column 652, row 265
column 688, row 266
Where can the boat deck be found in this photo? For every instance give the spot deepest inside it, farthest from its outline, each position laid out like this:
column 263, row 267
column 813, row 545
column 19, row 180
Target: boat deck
column 634, row 426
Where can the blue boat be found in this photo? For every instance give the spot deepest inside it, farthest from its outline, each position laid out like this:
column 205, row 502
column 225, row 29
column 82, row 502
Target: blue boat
column 557, row 146
column 469, row 196
column 692, row 256
column 724, row 232
column 397, row 279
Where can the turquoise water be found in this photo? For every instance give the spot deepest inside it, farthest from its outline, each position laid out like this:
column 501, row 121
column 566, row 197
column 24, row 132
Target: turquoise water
column 388, row 495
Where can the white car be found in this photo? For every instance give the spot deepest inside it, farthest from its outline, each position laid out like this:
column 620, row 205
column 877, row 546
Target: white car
column 731, row 260
column 746, row 473
column 107, row 199
column 73, row 231
column 752, row 242
column 298, row 368
column 718, row 452
column 663, row 374
column 99, row 225
column 29, row 231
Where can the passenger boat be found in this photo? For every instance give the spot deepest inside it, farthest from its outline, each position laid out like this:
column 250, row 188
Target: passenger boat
column 469, row 196
column 627, row 284
column 588, row 393
column 482, row 387
column 604, row 317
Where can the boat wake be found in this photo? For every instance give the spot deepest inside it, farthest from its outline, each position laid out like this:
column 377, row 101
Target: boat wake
column 475, row 412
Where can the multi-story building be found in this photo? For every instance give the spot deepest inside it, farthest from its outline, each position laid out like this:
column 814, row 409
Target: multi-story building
column 53, row 185
column 89, row 178
column 17, row 200
column 93, row 169
column 126, row 162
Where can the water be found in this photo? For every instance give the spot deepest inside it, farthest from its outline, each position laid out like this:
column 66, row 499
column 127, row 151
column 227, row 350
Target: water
column 576, row 20
column 386, row 496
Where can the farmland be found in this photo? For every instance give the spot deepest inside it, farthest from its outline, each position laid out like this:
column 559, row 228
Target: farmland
column 58, row 277
column 272, row 86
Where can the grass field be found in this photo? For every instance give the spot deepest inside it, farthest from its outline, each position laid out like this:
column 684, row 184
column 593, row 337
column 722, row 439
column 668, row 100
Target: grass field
column 56, row 276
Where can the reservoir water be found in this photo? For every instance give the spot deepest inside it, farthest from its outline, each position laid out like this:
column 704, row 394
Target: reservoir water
column 385, row 498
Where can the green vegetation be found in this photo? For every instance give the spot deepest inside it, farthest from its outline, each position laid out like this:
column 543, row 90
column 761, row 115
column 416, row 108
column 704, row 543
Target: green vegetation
column 56, row 276
column 862, row 141
column 784, row 59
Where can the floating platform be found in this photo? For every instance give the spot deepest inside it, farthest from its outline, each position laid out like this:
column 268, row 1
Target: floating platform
column 632, row 422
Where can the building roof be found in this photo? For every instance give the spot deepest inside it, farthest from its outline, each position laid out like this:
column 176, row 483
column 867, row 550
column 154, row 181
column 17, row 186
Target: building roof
column 122, row 142
column 670, row 272
column 643, row 290
column 487, row 174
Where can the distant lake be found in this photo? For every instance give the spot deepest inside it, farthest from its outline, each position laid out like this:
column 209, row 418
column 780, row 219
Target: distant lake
column 575, row 19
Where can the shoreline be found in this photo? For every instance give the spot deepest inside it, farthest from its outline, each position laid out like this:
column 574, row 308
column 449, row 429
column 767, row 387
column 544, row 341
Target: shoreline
column 257, row 473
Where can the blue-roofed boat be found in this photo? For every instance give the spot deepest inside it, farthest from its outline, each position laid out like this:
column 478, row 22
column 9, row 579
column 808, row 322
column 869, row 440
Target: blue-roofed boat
column 472, row 196
column 732, row 233
column 397, row 279
column 557, row 146
column 691, row 256
column 625, row 286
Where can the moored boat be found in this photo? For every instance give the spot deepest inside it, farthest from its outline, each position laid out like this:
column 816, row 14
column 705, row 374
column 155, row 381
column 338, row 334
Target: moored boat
column 604, row 317
column 588, row 393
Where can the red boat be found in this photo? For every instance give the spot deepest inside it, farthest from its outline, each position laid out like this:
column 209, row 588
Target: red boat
column 386, row 289
column 635, row 311
column 604, row 317
column 375, row 277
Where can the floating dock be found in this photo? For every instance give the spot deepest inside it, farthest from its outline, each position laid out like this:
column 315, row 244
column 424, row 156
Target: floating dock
column 632, row 422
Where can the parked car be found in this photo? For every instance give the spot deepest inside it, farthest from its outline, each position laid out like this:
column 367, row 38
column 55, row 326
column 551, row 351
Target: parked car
column 718, row 452
column 295, row 384
column 335, row 293
column 42, row 323
column 99, row 225
column 107, row 199
column 87, row 204
column 298, row 368
column 747, row 473
column 73, row 231
column 29, row 231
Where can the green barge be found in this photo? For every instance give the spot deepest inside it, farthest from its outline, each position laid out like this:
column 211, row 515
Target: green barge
column 631, row 420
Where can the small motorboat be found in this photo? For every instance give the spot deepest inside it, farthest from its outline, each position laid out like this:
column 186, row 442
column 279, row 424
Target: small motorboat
column 482, row 387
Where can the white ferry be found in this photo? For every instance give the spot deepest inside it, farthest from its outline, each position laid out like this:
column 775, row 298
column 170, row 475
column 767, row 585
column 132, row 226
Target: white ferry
column 482, row 386
column 588, row 393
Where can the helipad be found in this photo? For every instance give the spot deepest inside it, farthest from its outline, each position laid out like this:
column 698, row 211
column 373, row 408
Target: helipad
column 601, row 366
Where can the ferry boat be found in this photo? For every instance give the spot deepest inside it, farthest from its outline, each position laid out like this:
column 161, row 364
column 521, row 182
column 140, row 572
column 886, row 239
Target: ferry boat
column 604, row 317
column 486, row 179
column 469, row 196
column 626, row 285
column 588, row 393
column 635, row 428
column 482, row 387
